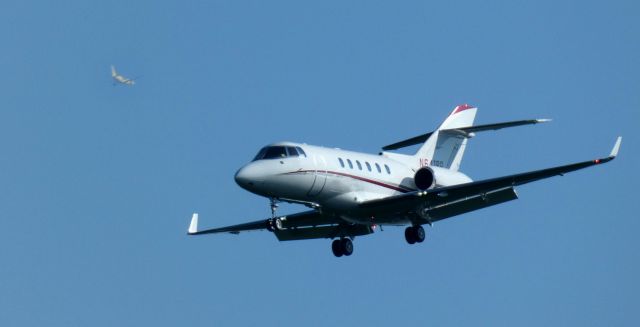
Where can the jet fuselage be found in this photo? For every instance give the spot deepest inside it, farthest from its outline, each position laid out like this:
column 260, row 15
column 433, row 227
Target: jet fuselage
column 336, row 180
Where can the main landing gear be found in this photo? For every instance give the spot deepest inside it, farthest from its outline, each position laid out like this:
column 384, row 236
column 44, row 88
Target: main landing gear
column 341, row 247
column 414, row 234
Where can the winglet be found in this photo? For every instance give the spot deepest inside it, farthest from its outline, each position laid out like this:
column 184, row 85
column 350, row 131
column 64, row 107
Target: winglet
column 616, row 148
column 193, row 226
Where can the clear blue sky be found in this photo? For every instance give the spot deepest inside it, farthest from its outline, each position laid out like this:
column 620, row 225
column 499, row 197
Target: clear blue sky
column 97, row 183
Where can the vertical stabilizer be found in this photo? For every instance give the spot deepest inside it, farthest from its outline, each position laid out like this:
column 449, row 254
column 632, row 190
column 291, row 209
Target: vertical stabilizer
column 113, row 71
column 445, row 147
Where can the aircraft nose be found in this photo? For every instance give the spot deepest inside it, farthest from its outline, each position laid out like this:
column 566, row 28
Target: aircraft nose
column 248, row 177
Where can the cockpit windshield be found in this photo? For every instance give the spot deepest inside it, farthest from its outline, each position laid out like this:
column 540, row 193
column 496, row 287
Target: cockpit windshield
column 279, row 151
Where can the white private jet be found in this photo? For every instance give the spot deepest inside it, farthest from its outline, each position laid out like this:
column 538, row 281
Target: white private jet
column 119, row 79
column 351, row 193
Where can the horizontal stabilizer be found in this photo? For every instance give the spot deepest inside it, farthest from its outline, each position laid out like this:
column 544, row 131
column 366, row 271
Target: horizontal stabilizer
column 465, row 131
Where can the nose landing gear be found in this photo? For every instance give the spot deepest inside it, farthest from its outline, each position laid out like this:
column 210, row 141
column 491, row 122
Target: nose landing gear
column 274, row 206
column 341, row 247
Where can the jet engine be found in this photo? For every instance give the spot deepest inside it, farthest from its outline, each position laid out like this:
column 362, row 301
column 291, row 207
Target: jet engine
column 424, row 178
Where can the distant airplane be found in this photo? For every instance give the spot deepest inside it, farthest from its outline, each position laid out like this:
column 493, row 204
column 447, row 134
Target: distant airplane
column 351, row 193
column 117, row 78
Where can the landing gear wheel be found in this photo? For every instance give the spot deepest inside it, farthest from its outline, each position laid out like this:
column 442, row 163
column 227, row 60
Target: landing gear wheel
column 341, row 247
column 347, row 246
column 336, row 247
column 409, row 235
column 418, row 233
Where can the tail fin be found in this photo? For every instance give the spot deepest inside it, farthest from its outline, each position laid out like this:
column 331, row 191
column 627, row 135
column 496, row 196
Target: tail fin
column 113, row 71
column 445, row 147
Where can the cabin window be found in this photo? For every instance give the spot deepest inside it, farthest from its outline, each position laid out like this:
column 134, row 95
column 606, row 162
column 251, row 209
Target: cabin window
column 350, row 164
column 292, row 151
column 388, row 170
column 341, row 162
column 368, row 165
column 301, row 152
column 359, row 165
column 378, row 168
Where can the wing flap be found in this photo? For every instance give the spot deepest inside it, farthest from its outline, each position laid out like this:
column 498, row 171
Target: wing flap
column 306, row 219
column 471, row 204
column 294, row 234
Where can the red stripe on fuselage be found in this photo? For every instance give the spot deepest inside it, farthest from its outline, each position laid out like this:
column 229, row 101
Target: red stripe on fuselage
column 398, row 188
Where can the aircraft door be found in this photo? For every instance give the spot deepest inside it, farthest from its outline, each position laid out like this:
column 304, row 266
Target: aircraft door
column 319, row 175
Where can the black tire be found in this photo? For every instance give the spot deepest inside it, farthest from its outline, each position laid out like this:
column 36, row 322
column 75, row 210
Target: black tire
column 346, row 246
column 419, row 234
column 409, row 235
column 336, row 247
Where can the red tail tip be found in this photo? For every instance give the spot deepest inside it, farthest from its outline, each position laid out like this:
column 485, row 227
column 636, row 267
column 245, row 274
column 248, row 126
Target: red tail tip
column 462, row 107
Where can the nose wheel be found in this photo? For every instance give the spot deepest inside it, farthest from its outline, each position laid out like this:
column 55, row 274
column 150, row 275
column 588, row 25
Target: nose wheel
column 341, row 247
column 414, row 234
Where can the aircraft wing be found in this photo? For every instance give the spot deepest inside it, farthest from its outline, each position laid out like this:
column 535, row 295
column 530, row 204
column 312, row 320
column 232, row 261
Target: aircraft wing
column 234, row 229
column 300, row 226
column 445, row 202
column 310, row 218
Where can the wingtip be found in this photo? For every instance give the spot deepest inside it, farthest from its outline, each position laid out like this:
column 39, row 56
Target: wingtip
column 616, row 147
column 543, row 120
column 193, row 226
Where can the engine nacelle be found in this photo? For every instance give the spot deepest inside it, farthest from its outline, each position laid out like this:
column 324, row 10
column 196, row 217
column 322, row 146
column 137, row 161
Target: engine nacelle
column 424, row 178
